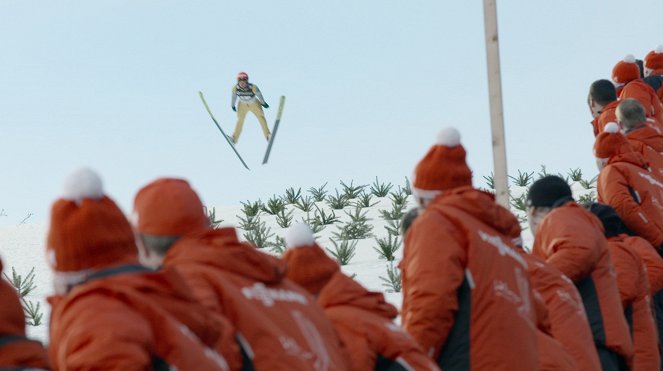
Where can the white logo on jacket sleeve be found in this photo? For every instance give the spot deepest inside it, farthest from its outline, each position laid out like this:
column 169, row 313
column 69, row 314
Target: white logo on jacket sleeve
column 268, row 295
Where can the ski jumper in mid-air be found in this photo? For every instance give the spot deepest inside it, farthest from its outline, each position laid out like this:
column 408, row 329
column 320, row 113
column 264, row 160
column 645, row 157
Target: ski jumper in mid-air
column 250, row 99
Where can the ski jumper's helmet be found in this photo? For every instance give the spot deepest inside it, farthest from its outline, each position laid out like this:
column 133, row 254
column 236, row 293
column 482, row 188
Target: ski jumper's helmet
column 242, row 76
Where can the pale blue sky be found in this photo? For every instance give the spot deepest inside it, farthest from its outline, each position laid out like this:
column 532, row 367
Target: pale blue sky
column 113, row 85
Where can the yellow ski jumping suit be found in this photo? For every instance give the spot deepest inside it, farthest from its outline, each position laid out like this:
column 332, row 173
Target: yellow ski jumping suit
column 250, row 99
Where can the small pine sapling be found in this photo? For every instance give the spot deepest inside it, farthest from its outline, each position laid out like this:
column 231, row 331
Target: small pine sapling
column 364, row 200
column 24, row 286
column 387, row 247
column 319, row 194
column 283, row 219
column 380, row 189
column 351, row 191
column 338, row 202
column 392, row 282
column 305, row 204
column 575, row 174
column 490, row 180
column 343, row 251
column 274, row 205
column 523, row 179
column 292, row 196
column 252, row 208
column 211, row 216
column 260, row 235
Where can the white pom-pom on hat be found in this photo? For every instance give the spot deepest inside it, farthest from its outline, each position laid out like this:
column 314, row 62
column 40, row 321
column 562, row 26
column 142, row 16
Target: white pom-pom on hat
column 629, row 58
column 449, row 137
column 299, row 235
column 611, row 127
column 81, row 184
column 659, row 49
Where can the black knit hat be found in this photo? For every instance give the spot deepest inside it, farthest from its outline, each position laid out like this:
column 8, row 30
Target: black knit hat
column 548, row 192
column 612, row 223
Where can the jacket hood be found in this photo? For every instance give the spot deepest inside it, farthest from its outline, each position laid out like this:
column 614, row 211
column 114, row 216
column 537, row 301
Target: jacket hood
column 220, row 248
column 648, row 136
column 481, row 205
column 633, row 158
column 343, row 290
column 143, row 289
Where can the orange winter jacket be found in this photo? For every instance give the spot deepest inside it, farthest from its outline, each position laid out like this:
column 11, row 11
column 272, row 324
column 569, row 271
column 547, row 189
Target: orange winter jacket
column 649, row 143
column 645, row 94
column 566, row 313
column 279, row 325
column 364, row 322
column 635, row 193
column 129, row 318
column 607, row 115
column 465, row 288
column 16, row 350
column 634, row 293
column 652, row 260
column 571, row 239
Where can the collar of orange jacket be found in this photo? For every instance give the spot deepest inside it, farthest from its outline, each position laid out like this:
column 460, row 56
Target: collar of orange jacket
column 220, row 248
column 633, row 158
column 342, row 290
column 481, row 205
column 648, row 136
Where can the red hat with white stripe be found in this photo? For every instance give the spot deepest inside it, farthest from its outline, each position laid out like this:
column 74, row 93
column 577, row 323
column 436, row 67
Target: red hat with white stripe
column 443, row 167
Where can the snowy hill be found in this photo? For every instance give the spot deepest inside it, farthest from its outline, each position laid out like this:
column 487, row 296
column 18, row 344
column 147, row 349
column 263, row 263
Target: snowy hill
column 358, row 223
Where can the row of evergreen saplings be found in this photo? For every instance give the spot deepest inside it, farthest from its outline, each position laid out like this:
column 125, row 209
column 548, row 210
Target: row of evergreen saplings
column 352, row 200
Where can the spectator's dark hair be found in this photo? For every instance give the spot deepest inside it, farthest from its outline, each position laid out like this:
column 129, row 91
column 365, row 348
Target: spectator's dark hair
column 641, row 66
column 603, row 92
column 612, row 223
column 407, row 220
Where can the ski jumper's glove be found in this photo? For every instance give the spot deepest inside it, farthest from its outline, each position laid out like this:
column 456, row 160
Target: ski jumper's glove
column 234, row 108
column 265, row 105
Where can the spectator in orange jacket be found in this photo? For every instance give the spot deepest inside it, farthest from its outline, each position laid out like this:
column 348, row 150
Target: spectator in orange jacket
column 654, row 62
column 626, row 76
column 643, row 138
column 363, row 319
column 602, row 101
column 626, row 183
column 278, row 324
column 633, row 289
column 565, row 311
column 464, row 285
column 571, row 239
column 16, row 350
column 111, row 313
column 560, row 314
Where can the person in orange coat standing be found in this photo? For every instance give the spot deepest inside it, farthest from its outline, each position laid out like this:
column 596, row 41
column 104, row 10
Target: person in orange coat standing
column 626, row 76
column 653, row 66
column 464, row 286
column 643, row 138
column 564, row 341
column 653, row 62
column 109, row 313
column 565, row 312
column 363, row 319
column 16, row 350
column 278, row 324
column 602, row 102
column 571, row 239
column 626, row 183
column 633, row 289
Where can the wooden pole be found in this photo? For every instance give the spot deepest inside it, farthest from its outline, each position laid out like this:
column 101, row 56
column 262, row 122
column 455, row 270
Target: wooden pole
column 495, row 97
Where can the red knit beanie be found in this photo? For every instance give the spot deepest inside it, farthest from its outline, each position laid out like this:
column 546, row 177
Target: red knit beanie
column 654, row 59
column 611, row 142
column 625, row 70
column 306, row 263
column 87, row 229
column 169, row 207
column 443, row 167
